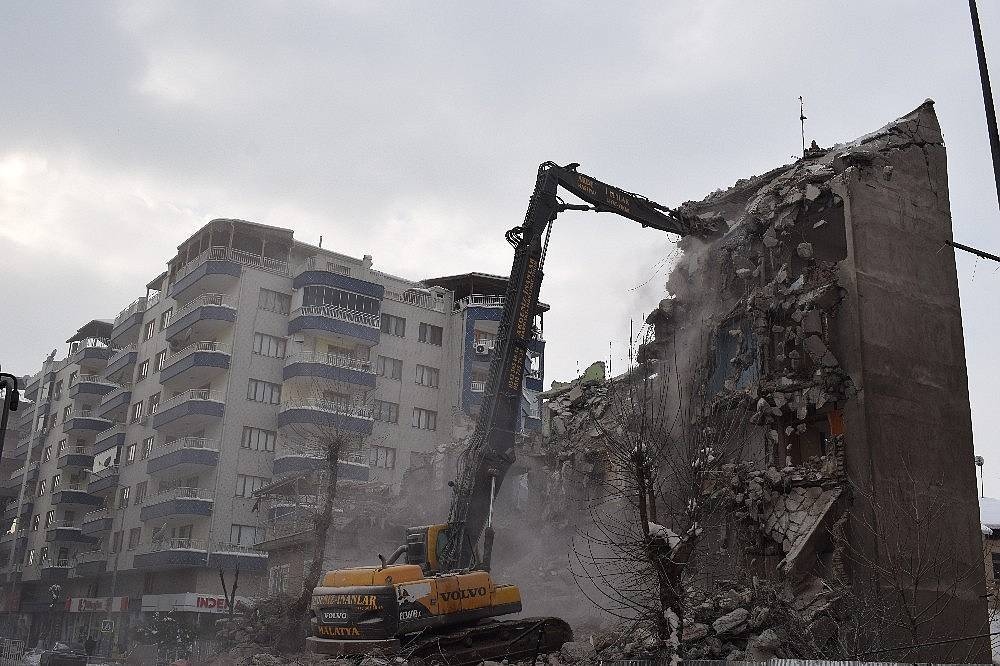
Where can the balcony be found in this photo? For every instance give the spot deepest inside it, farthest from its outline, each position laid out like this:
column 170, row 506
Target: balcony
column 326, row 413
column 67, row 532
column 205, row 317
column 75, row 457
column 480, row 301
column 103, row 481
column 11, row 512
column 189, row 410
column 114, row 404
column 91, row 385
column 217, row 268
column 178, row 503
column 90, row 563
column 75, row 495
column 54, row 571
column 184, row 457
column 329, row 366
column 91, row 357
column 14, row 482
column 172, row 554
column 121, row 364
column 236, row 555
column 128, row 322
column 109, row 438
column 31, row 388
column 96, row 523
column 84, row 422
column 353, row 469
column 197, row 364
column 328, row 319
column 418, row 299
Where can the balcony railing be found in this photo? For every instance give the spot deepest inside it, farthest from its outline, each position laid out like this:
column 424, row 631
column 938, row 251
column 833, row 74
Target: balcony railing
column 152, row 300
column 184, row 443
column 91, row 556
column 343, row 314
column 80, row 413
column 478, row 387
column 181, row 543
column 120, row 353
column 120, row 388
column 222, row 253
column 240, row 548
column 93, row 516
column 204, row 299
column 190, row 394
column 19, row 472
column 75, row 450
column 336, row 360
column 63, row 524
column 138, row 305
column 357, row 411
column 61, row 563
column 416, row 299
column 78, row 486
column 110, row 470
column 205, row 345
column 179, row 493
column 480, row 301
column 93, row 379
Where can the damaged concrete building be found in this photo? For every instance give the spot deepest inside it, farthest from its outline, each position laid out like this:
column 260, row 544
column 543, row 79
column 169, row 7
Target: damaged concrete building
column 823, row 326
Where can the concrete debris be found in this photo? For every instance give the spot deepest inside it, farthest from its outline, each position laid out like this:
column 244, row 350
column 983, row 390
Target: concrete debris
column 733, row 622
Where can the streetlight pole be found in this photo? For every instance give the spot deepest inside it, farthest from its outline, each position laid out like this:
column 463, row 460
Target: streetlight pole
column 980, row 461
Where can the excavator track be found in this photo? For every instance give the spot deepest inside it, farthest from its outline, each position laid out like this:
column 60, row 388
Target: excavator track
column 489, row 640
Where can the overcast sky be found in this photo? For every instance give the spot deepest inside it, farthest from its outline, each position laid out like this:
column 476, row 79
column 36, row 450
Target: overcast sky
column 412, row 132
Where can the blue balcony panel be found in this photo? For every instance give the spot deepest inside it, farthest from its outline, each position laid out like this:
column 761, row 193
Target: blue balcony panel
column 99, row 526
column 174, row 558
column 120, row 362
column 320, row 417
column 68, row 535
column 331, row 372
column 205, row 320
column 183, row 460
column 91, row 568
column 214, row 275
column 127, row 330
column 338, row 281
column 222, row 559
column 76, row 497
column 196, row 368
column 90, row 387
column 332, row 325
column 114, row 404
column 181, row 506
column 192, row 412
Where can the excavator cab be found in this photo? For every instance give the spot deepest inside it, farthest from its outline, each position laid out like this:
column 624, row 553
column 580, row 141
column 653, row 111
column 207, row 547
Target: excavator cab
column 424, row 546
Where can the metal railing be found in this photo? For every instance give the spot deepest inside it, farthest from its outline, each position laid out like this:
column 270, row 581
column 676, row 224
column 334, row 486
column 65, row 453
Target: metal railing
column 416, row 299
column 110, row 470
column 117, row 391
column 343, row 314
column 63, row 524
column 152, row 300
column 75, row 450
column 190, row 394
column 199, row 301
column 91, row 556
column 94, row 379
column 94, row 516
column 477, row 387
column 78, row 486
column 332, row 406
column 60, row 563
column 115, row 429
column 481, row 301
column 184, row 443
column 221, row 253
column 242, row 549
column 176, row 543
column 204, row 345
column 179, row 493
column 138, row 305
column 326, row 358
column 19, row 472
column 121, row 352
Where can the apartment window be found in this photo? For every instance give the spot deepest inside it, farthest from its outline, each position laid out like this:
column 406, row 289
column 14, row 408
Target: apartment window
column 277, row 579
column 274, row 301
column 31, row 557
column 257, row 439
column 43, row 554
column 50, row 517
column 424, row 419
column 428, row 376
column 154, row 402
column 61, row 447
column 34, row 522
column 123, row 495
column 116, row 542
column 268, row 345
column 387, row 412
column 67, row 410
column 393, row 325
column 147, row 446
column 130, row 454
column 56, row 481
column 57, row 391
column 47, row 453
column 484, row 338
column 317, row 296
column 140, row 492
column 261, row 391
column 244, row 535
column 72, row 378
column 136, row 412
column 389, row 367
column 383, row 456
column 143, row 370
column 133, row 537
column 430, row 334
column 246, row 484
column 148, row 329
column 165, row 318
column 43, row 486
column 158, row 360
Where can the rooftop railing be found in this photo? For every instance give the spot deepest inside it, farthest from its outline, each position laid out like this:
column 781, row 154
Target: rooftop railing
column 336, row 360
column 190, row 394
column 222, row 253
column 343, row 314
column 138, row 305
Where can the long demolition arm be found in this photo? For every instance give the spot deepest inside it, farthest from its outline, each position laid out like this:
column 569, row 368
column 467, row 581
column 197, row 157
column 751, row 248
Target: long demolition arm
column 491, row 449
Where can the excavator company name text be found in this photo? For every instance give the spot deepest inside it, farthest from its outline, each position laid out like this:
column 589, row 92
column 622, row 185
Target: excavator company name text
column 469, row 593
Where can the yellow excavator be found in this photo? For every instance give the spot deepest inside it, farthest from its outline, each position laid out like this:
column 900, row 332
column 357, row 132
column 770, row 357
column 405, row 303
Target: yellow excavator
column 439, row 605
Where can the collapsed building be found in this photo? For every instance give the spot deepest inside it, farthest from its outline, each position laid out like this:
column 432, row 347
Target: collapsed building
column 822, row 327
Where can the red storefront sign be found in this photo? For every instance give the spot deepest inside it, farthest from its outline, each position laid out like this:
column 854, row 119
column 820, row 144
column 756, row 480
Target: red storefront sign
column 97, row 605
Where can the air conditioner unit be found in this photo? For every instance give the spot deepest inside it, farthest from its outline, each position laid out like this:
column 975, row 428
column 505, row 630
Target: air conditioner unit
column 482, row 349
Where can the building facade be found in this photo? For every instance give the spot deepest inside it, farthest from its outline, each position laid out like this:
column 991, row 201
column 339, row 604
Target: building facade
column 141, row 453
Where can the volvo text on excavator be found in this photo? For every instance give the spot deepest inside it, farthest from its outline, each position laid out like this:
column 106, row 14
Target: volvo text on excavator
column 439, row 604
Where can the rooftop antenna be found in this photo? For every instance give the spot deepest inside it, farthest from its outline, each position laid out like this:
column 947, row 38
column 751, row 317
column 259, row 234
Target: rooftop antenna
column 802, row 123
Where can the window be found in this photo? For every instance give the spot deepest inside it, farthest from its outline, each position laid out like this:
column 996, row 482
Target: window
column 136, row 412
column 133, row 537
column 268, row 345
column 274, row 301
column 61, row 447
column 383, row 456
column 166, row 317
column 158, row 360
column 34, row 522
column 329, row 297
column 428, row 376
column 31, row 557
column 130, row 454
column 50, row 517
column 143, row 370
column 147, row 447
column 148, row 329
column 42, row 487
column 57, row 391
column 484, row 338
column 393, row 325
column 244, row 535
column 154, row 402
column 430, row 334
column 246, row 484
column 387, row 412
column 424, row 419
column 43, row 555
column 257, row 439
column 56, row 481
column 140, row 492
column 67, row 412
column 261, row 391
column 123, row 495
column 277, row 579
column 389, row 367
column 116, row 542
column 47, row 453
